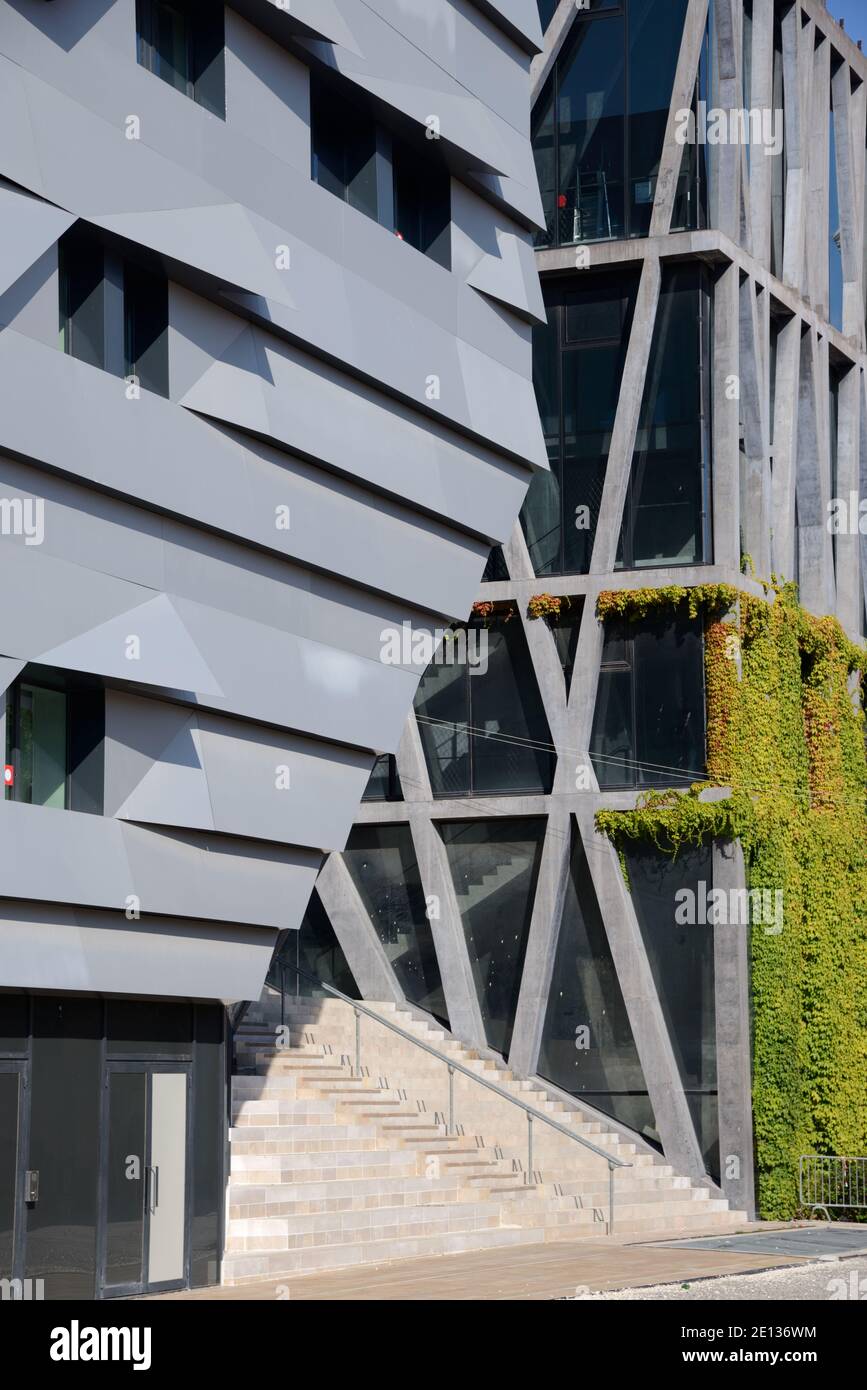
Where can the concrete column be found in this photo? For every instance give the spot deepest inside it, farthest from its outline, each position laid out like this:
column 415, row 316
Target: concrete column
column 788, row 367
column 761, row 175
column 354, row 930
column 733, row 1040
column 683, row 89
column 848, row 578
column 755, row 499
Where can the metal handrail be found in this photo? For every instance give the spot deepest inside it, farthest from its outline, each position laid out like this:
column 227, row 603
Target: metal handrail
column 531, row 1112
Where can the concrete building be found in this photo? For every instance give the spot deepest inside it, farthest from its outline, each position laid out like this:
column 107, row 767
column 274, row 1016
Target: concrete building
column 701, row 382
column 267, row 291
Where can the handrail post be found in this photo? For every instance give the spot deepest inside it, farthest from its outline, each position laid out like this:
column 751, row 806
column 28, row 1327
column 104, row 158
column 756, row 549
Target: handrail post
column 357, row 1042
column 529, row 1177
column 611, row 1199
column 451, row 1100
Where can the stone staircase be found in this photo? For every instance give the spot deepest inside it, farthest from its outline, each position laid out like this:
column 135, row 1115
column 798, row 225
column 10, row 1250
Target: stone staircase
column 329, row 1169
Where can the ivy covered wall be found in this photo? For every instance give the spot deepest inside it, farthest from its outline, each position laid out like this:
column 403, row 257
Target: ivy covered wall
column 785, row 732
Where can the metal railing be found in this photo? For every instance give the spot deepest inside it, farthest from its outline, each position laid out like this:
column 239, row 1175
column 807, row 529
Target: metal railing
column 533, row 1115
column 827, row 1181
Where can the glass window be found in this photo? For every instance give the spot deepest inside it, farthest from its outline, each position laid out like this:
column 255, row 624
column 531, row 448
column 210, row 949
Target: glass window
column 682, row 960
column 384, row 783
column 381, row 860
column 649, row 722
column 666, row 518
column 587, row 1043
column 314, row 948
column 396, row 183
column 565, row 626
column 494, row 865
column 422, row 203
column 55, row 746
column 481, row 720
column 82, row 296
column 578, row 358
column 600, row 124
column 92, row 320
column 146, row 328
column 183, row 44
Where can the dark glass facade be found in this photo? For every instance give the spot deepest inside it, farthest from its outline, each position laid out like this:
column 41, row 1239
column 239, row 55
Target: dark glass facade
column 55, row 741
column 315, row 950
column 649, row 722
column 682, row 960
column 599, row 126
column 578, row 359
column 482, row 726
column 666, row 520
column 494, row 866
column 587, row 1043
column 384, row 782
column 382, row 862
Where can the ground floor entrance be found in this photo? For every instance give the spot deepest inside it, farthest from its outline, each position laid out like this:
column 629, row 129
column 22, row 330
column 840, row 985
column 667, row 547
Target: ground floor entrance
column 112, row 1145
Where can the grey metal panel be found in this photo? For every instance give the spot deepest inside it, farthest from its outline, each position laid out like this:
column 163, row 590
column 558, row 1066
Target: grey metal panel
column 30, row 226
column 70, row 857
column 53, row 947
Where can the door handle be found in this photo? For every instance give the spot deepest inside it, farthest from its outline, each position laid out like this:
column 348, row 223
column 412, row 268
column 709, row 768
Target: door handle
column 155, row 1188
column 31, row 1186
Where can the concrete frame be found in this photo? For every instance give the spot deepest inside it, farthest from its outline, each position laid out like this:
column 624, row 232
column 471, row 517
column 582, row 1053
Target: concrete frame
column 771, row 454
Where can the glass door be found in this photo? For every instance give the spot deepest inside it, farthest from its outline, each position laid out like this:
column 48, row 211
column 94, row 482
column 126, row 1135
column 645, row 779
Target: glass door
column 13, row 1080
column 144, row 1186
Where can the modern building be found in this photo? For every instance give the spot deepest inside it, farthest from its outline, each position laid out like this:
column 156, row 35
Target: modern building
column 701, row 383
column 267, row 290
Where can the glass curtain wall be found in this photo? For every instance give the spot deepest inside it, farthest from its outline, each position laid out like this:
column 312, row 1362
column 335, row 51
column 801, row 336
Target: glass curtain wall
column 483, row 727
column 381, row 860
column 587, row 1044
column 649, row 722
column 682, row 960
column 578, row 363
column 494, row 865
column 599, row 126
column 666, row 519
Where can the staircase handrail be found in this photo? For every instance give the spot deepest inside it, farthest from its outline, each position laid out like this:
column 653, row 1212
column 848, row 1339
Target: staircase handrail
column 531, row 1112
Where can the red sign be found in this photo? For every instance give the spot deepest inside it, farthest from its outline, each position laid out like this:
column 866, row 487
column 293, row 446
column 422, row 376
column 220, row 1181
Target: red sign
column 9, row 775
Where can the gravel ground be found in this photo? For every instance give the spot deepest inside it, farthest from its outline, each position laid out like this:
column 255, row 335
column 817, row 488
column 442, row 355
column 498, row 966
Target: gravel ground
column 824, row 1281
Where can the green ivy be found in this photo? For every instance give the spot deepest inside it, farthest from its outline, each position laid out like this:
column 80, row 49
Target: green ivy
column 786, row 738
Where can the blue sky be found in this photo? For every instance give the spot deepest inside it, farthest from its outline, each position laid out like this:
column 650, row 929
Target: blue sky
column 855, row 14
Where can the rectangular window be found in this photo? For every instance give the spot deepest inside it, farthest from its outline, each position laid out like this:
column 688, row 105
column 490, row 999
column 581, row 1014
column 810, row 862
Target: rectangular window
column 398, row 184
column 384, row 783
column 114, row 314
column 649, row 723
column 54, row 744
column 183, row 43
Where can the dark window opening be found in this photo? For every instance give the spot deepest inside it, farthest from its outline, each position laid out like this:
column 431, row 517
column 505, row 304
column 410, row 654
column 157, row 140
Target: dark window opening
column 183, row 43
column 649, row 723
column 114, row 313
column 315, row 950
column 402, row 186
column 55, row 736
column 578, row 359
column 384, row 782
column 666, row 519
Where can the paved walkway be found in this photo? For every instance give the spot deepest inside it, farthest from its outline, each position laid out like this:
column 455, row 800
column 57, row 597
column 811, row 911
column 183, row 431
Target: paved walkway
column 559, row 1269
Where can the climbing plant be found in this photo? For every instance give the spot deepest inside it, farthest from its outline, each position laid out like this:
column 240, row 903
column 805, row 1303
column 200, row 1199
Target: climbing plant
column 785, row 737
